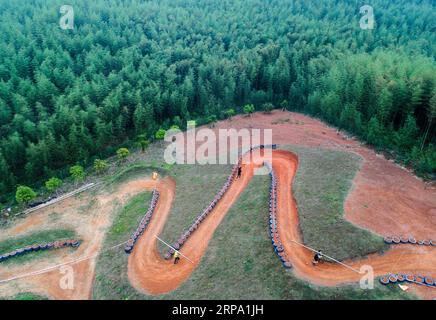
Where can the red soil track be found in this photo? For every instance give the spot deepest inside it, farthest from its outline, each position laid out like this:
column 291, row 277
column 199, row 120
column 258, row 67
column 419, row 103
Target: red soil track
column 149, row 273
column 384, row 198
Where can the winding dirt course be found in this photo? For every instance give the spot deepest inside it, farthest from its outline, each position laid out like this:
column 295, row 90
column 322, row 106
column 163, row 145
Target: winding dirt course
column 385, row 198
column 151, row 274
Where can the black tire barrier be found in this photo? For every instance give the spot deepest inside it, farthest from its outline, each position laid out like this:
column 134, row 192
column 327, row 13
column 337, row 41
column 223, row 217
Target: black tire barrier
column 404, row 240
column 384, row 280
column 401, row 278
column 410, row 278
column 264, row 146
column 203, row 215
column 39, row 247
column 408, row 240
column 396, row 240
column 388, row 240
column 416, row 279
column 142, row 226
column 280, row 248
column 273, row 223
column 393, row 278
column 419, row 279
column 429, row 281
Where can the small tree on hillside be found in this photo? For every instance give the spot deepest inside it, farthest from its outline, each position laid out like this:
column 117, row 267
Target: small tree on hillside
column 53, row 184
column 431, row 117
column 25, row 194
column 248, row 109
column 77, row 173
column 160, row 134
column 100, row 165
column 229, row 113
column 267, row 107
column 375, row 132
column 143, row 142
column 211, row 120
column 123, row 153
column 284, row 104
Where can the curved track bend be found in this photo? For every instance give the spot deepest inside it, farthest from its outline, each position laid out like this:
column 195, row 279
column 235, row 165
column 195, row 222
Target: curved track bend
column 148, row 272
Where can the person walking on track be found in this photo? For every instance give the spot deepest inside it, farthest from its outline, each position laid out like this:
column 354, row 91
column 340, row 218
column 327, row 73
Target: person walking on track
column 317, row 258
column 176, row 257
column 239, row 171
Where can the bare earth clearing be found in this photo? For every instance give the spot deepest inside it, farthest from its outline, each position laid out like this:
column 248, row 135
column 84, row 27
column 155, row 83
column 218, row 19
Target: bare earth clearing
column 385, row 199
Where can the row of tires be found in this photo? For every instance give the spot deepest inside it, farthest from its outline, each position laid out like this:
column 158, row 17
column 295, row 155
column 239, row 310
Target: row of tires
column 399, row 278
column 143, row 223
column 273, row 223
column 39, row 247
column 265, row 146
column 408, row 240
column 203, row 215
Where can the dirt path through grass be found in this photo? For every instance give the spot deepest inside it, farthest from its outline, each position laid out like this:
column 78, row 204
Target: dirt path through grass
column 151, row 274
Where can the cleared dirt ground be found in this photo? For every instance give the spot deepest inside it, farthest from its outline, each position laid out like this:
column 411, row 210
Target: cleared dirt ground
column 385, row 198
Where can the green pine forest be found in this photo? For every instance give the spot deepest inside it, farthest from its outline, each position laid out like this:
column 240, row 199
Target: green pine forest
column 131, row 67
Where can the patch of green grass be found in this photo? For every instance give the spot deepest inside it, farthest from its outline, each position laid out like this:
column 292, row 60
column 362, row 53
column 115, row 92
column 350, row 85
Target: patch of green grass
column 321, row 185
column 26, row 296
column 35, row 238
column 132, row 213
column 133, row 170
column 111, row 280
column 196, row 187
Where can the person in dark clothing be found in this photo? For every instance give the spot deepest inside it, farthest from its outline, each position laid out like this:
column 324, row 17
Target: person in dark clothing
column 317, row 258
column 239, row 171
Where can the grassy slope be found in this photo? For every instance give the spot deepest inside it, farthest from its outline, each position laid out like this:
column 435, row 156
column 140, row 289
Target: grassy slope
column 196, row 186
column 25, row 296
column 320, row 188
column 111, row 280
column 35, row 238
column 239, row 263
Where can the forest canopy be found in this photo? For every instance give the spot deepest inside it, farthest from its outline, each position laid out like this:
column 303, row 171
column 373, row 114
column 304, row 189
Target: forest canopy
column 130, row 67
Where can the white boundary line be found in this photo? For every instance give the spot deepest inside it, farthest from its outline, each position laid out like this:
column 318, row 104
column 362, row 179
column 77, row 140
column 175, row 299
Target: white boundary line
column 63, row 197
column 174, row 249
column 341, row 263
column 48, row 269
